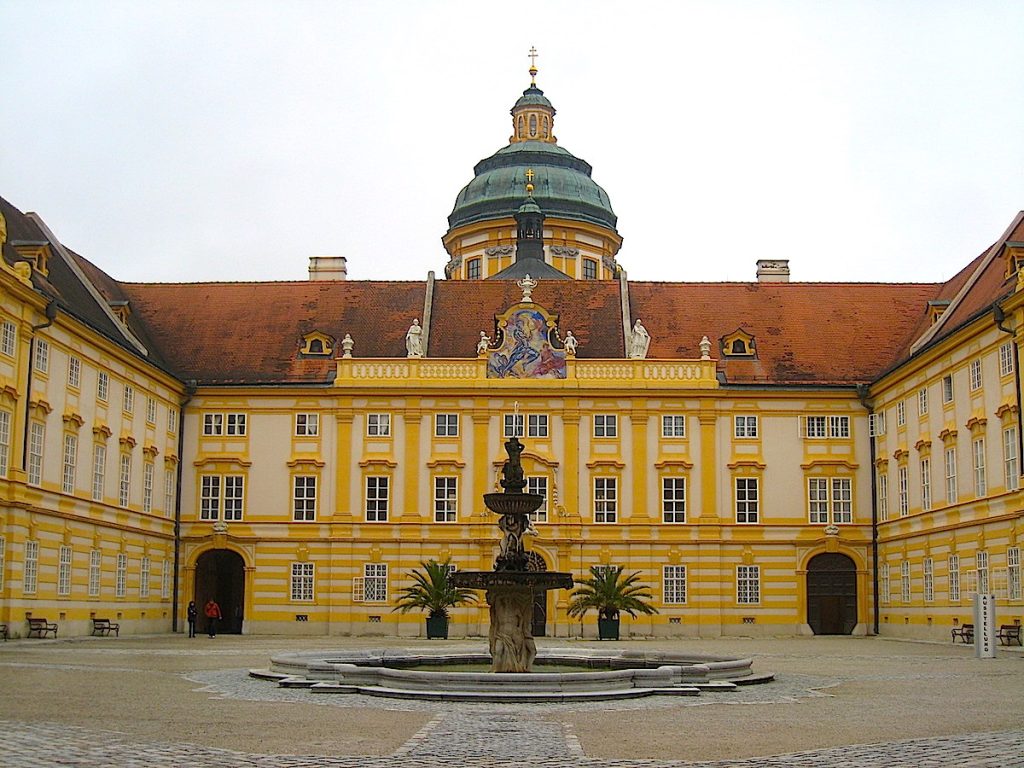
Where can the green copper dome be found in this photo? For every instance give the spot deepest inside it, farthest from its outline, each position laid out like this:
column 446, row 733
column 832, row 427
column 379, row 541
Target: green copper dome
column 533, row 97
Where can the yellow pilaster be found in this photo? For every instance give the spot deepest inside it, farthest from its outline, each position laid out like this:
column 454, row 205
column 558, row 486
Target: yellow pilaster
column 708, row 476
column 343, row 450
column 413, row 466
column 638, row 466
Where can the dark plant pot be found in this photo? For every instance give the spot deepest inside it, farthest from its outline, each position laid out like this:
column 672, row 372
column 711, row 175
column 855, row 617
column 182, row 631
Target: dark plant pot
column 607, row 629
column 437, row 627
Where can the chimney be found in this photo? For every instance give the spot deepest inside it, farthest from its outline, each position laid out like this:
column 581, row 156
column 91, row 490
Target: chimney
column 327, row 268
column 773, row 270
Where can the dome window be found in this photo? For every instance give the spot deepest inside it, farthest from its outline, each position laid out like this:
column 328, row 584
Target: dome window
column 533, row 125
column 589, row 269
column 473, row 269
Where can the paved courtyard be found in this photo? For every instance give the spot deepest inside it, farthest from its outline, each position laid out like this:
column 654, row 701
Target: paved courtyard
column 168, row 701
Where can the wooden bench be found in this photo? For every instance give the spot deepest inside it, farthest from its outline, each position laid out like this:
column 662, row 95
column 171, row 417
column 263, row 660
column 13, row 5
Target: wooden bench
column 965, row 632
column 41, row 627
column 103, row 627
column 1010, row 633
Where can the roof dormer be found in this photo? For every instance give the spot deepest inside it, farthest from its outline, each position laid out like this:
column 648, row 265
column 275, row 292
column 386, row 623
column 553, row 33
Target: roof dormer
column 36, row 253
column 739, row 343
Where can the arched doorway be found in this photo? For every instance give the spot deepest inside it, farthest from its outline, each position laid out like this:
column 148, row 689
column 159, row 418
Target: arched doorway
column 538, row 626
column 220, row 574
column 831, row 594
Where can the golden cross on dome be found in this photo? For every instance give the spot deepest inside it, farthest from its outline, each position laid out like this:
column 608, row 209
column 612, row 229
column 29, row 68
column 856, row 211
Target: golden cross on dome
column 529, row 174
column 533, row 65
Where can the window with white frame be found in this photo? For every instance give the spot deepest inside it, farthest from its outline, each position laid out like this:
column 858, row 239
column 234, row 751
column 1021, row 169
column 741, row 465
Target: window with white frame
column 302, row 582
column 883, row 496
column 124, row 489
column 842, row 500
column 30, row 576
column 377, row 497
column 830, row 499
column 950, row 465
column 748, row 584
column 217, row 424
column 3, row 560
column 929, row 580
column 378, row 425
column 307, row 424
column 169, row 482
column 209, row 497
column 514, row 424
column 926, row 483
column 42, row 357
column 375, row 582
column 901, row 475
column 144, row 577
column 64, row 572
column 121, row 576
column 213, row 424
column 304, row 498
column 876, row 424
column 35, row 453
column 1012, row 573
column 975, row 374
column 102, row 386
column 8, row 338
column 673, row 584
column 70, row 461
column 884, row 587
column 165, row 578
column 839, row 426
column 673, row 425
column 673, row 499
column 901, row 414
column 953, row 576
column 981, row 568
column 817, row 499
column 150, row 410
column 1011, row 468
column 95, row 563
column 748, row 499
column 905, row 582
column 99, row 470
column 5, row 442
column 235, row 424
column 978, row 454
column 744, row 426
column 147, row 487
column 815, row 426
column 947, row 388
column 537, row 425
column 538, row 485
column 172, row 420
column 234, row 496
column 74, row 372
column 922, row 401
column 606, row 425
column 606, row 499
column 446, row 425
column 446, row 499
column 1006, row 359
column 128, row 403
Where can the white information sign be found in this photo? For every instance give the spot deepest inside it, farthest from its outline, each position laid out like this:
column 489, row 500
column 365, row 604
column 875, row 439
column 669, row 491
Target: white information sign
column 985, row 626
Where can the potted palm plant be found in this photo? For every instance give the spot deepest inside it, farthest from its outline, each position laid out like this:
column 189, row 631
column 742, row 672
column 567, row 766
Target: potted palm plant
column 433, row 591
column 610, row 593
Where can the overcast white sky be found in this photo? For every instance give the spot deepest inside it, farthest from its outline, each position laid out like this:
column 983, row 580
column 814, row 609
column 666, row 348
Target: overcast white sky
column 184, row 141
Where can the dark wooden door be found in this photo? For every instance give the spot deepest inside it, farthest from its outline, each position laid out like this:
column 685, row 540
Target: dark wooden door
column 831, row 594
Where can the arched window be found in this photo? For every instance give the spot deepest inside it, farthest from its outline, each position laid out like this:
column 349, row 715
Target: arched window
column 545, row 130
column 533, row 125
column 316, row 347
column 739, row 347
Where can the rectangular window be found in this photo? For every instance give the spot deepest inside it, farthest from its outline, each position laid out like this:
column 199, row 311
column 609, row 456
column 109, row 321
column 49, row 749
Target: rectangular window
column 473, row 269
column 901, row 414
column 748, row 584
column 839, row 426
column 980, row 481
column 128, row 404
column 304, row 498
column 234, row 496
column 929, row 580
column 150, row 410
column 30, row 577
column 747, row 499
column 446, row 425
column 1012, row 572
column 981, row 566
column 589, row 269
column 673, row 425
column 1011, row 470
column 745, row 426
column 673, row 581
column 42, row 359
column 64, row 572
column 172, row 420
column 537, row 424
column 235, row 424
column 302, row 582
column 95, row 562
column 377, row 499
column 1006, row 359
column 147, row 487
column 883, row 496
column 121, row 581
column 169, row 490
column 842, row 500
column 8, row 338
column 606, row 425
column 606, row 499
column 514, row 424
column 975, row 375
column 950, row 464
column 74, row 372
column 5, row 442
column 539, row 486
column 165, row 579
column 144, row 577
column 378, row 424
column 926, row 484
column 922, row 401
column 99, row 470
column 901, row 474
column 673, row 499
column 817, row 499
column 876, row 424
column 70, row 460
column 125, row 480
column 905, row 582
column 884, row 586
column 375, row 582
column 954, row 578
column 209, row 497
column 35, row 453
column 102, row 386
column 814, row 426
column 446, row 499
column 213, row 424
column 947, row 388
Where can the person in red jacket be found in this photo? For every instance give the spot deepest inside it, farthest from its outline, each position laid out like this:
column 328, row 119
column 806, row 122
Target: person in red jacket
column 212, row 611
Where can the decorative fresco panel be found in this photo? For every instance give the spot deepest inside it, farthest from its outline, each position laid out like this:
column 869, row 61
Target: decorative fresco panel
column 526, row 351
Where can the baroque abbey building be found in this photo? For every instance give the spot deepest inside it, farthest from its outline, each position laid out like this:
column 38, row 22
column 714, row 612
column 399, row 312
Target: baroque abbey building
column 773, row 457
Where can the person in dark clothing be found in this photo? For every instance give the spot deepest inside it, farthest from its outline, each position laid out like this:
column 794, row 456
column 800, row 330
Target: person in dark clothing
column 212, row 611
column 192, row 613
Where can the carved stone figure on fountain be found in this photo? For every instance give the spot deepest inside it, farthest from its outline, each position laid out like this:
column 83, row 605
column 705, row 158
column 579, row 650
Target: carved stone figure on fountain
column 513, row 477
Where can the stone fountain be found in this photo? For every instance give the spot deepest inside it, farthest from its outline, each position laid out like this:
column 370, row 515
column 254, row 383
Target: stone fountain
column 510, row 588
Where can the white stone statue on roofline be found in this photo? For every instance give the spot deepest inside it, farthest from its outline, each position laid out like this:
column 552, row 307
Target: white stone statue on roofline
column 639, row 342
column 570, row 343
column 483, row 346
column 346, row 346
column 414, row 340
